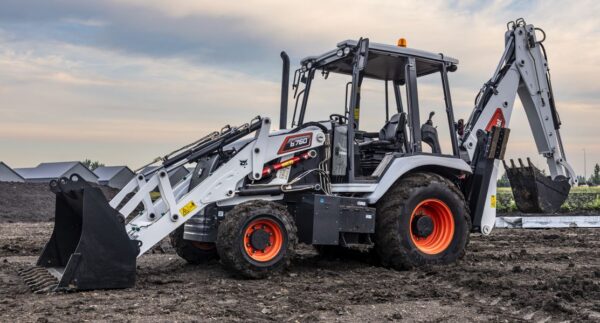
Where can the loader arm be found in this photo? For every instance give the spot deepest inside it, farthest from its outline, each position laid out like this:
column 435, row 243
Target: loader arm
column 523, row 70
column 94, row 245
column 177, row 204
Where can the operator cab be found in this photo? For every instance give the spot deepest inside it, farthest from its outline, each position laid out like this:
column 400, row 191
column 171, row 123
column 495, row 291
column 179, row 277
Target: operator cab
column 361, row 154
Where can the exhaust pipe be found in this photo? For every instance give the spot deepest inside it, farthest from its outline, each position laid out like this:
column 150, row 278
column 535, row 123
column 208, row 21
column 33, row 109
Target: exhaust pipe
column 285, row 84
column 534, row 192
column 89, row 247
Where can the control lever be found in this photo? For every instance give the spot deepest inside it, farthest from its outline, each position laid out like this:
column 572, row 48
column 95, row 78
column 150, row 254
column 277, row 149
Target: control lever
column 429, row 121
column 429, row 135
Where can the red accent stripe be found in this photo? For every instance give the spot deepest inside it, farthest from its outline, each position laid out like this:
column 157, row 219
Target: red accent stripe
column 497, row 120
column 267, row 170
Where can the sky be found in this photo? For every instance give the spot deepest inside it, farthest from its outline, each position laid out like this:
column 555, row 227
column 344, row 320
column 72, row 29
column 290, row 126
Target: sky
column 126, row 81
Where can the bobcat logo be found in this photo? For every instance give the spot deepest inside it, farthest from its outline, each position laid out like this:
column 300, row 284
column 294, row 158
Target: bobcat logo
column 244, row 162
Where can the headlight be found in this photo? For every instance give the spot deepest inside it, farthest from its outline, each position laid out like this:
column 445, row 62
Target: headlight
column 347, row 50
column 339, row 53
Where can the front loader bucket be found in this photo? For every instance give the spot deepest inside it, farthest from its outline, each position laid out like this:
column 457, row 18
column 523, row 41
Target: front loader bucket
column 534, row 192
column 89, row 248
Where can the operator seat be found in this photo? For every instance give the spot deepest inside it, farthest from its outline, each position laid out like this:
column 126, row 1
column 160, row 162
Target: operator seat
column 393, row 131
column 392, row 139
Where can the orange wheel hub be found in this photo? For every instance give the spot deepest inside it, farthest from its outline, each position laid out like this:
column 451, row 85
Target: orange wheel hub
column 432, row 226
column 263, row 239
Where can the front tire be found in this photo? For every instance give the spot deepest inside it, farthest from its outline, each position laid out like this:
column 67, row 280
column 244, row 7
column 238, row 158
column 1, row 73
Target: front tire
column 193, row 252
column 257, row 238
column 422, row 220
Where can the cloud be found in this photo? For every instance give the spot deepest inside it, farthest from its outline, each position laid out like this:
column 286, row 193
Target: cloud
column 86, row 22
column 147, row 67
column 90, row 95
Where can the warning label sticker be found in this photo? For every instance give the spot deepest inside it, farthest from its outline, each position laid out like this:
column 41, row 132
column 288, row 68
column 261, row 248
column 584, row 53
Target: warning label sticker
column 188, row 208
column 284, row 173
column 493, row 201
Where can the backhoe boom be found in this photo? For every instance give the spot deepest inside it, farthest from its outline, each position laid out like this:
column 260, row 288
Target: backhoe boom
column 523, row 70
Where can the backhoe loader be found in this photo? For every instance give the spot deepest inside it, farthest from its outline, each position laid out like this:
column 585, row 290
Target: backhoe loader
column 255, row 193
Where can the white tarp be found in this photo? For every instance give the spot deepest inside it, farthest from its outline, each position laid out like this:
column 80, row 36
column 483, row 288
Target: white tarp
column 553, row 221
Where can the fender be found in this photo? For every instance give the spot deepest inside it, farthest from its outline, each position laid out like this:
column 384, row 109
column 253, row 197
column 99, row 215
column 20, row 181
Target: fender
column 403, row 165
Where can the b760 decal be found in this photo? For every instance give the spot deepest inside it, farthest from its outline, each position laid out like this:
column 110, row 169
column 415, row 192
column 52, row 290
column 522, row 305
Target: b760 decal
column 295, row 142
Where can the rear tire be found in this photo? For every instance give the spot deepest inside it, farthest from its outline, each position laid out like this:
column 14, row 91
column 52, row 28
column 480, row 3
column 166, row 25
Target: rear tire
column 401, row 243
column 257, row 238
column 193, row 252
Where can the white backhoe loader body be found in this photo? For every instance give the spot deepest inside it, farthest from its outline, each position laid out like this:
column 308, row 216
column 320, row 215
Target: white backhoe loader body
column 255, row 193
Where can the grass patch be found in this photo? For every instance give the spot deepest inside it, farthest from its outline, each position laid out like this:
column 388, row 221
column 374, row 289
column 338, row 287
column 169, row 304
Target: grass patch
column 580, row 199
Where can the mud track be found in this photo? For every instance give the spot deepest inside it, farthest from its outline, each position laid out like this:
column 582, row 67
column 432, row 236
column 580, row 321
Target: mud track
column 513, row 275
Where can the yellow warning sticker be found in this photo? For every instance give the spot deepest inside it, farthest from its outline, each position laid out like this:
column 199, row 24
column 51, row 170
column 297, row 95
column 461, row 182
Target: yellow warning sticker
column 493, row 201
column 186, row 209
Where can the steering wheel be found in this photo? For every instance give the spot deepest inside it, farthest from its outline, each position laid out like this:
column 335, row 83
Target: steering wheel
column 340, row 119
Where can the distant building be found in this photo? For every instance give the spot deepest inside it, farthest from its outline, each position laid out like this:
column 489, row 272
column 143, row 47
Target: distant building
column 175, row 175
column 114, row 176
column 7, row 174
column 45, row 172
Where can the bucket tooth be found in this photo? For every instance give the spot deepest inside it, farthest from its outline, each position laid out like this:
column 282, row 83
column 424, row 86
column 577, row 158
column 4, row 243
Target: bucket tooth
column 25, row 271
column 89, row 247
column 38, row 279
column 44, row 283
column 533, row 191
column 34, row 278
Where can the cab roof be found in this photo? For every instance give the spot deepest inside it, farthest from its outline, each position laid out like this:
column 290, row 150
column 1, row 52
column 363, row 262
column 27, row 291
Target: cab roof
column 385, row 62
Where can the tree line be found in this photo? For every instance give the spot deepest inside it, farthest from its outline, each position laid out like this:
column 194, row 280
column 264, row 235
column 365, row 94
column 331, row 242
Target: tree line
column 92, row 164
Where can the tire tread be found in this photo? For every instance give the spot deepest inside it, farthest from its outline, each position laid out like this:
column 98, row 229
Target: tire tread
column 388, row 242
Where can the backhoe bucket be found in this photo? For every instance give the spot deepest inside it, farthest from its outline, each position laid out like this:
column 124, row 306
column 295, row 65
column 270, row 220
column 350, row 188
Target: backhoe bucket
column 89, row 248
column 534, row 192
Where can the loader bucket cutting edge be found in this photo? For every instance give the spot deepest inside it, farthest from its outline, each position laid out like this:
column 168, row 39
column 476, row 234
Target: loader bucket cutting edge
column 89, row 247
column 533, row 191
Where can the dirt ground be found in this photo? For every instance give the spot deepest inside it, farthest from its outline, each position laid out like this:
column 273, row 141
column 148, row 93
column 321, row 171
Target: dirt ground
column 512, row 275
